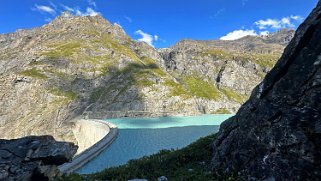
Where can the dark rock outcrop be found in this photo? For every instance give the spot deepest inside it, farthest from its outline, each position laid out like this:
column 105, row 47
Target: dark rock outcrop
column 276, row 135
column 33, row 158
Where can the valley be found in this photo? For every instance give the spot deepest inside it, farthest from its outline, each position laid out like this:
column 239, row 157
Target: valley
column 86, row 67
column 233, row 95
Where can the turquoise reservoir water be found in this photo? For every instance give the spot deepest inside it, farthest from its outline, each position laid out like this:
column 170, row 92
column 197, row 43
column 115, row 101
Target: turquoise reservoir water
column 139, row 137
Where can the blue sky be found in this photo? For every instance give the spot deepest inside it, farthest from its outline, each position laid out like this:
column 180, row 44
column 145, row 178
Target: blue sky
column 162, row 23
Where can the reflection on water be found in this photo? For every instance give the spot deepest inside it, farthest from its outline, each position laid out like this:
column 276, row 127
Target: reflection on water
column 141, row 137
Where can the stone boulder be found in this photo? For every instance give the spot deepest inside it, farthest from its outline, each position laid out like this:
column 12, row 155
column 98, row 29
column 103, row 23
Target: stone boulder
column 276, row 134
column 33, row 158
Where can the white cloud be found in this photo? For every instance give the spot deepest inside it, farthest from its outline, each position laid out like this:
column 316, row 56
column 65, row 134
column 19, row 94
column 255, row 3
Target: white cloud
column 92, row 12
column 264, row 27
column 145, row 37
column 297, row 18
column 286, row 22
column 77, row 11
column 129, row 19
column 264, row 33
column 237, row 34
column 89, row 12
column 44, row 9
column 118, row 24
column 156, row 37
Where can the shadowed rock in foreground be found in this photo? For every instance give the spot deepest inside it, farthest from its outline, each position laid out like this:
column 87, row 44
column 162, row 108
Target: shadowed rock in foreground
column 33, row 158
column 276, row 135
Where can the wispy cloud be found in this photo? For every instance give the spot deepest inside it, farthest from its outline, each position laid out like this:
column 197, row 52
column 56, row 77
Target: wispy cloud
column 44, row 9
column 156, row 37
column 48, row 19
column 218, row 12
column 89, row 12
column 67, row 8
column 53, row 5
column 286, row 22
column 53, row 9
column 77, row 11
column 92, row 3
column 297, row 18
column 145, row 37
column 237, row 34
column 129, row 19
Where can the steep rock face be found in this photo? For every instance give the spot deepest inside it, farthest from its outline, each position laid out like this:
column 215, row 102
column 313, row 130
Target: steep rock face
column 33, row 158
column 44, row 73
column 236, row 65
column 276, row 134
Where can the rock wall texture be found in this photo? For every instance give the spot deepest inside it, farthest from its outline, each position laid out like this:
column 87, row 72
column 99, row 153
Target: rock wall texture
column 276, row 134
column 33, row 158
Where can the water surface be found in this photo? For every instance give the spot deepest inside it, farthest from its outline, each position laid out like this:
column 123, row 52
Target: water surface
column 167, row 122
column 140, row 137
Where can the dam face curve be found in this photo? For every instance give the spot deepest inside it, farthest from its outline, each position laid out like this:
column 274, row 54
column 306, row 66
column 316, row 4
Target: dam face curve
column 89, row 132
column 93, row 136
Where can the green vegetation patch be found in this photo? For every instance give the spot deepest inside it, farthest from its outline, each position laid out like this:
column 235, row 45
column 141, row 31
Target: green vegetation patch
column 35, row 73
column 232, row 95
column 68, row 95
column 142, row 74
column 221, row 111
column 62, row 50
column 134, row 74
column 107, row 41
column 156, row 69
column 190, row 86
column 189, row 163
column 177, row 89
column 263, row 60
column 200, row 88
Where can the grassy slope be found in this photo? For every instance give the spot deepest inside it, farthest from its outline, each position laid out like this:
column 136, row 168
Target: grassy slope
column 264, row 60
column 142, row 72
column 189, row 163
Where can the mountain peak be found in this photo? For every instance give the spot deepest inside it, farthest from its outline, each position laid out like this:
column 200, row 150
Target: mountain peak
column 66, row 14
column 282, row 36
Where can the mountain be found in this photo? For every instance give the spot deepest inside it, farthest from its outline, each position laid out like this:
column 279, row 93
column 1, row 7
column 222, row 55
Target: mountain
column 87, row 67
column 275, row 135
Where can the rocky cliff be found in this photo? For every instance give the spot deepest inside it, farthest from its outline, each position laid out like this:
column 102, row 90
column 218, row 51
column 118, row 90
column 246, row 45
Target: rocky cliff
column 33, row 158
column 88, row 67
column 276, row 134
column 234, row 67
